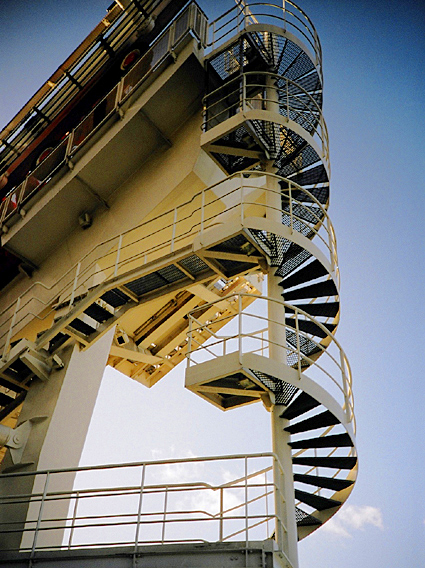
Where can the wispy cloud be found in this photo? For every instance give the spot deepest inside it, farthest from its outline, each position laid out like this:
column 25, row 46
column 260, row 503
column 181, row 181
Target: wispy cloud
column 354, row 517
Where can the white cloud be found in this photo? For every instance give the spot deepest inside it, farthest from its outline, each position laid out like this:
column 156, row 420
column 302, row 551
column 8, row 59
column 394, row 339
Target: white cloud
column 354, row 517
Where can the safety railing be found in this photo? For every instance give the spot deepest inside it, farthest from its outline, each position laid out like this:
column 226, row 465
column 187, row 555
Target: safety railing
column 241, row 196
column 253, row 91
column 248, row 14
column 208, row 499
column 310, row 348
column 191, row 20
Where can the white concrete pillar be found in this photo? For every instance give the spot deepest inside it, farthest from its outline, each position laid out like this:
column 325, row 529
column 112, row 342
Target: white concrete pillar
column 67, row 401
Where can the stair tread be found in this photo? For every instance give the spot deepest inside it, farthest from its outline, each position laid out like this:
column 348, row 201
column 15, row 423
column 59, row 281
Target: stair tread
column 325, row 309
column 311, row 327
column 316, row 501
column 81, row 326
column 303, row 403
column 337, row 440
column 98, row 313
column 318, row 421
column 320, row 289
column 115, row 298
column 309, row 272
column 304, row 519
column 325, row 482
column 336, row 462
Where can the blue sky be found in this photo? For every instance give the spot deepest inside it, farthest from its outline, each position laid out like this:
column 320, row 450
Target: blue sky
column 374, row 61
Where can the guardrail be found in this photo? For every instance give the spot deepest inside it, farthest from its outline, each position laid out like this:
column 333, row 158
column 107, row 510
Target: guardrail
column 190, row 20
column 153, row 502
column 254, row 90
column 241, row 195
column 327, row 364
column 285, row 15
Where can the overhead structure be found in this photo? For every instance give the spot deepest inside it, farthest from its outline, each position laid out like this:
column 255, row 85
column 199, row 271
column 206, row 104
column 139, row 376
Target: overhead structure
column 156, row 235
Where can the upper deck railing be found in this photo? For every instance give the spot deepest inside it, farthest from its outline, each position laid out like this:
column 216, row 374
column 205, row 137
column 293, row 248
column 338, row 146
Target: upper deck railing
column 190, row 20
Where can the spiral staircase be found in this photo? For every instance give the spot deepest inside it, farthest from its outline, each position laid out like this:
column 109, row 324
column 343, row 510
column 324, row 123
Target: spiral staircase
column 263, row 126
column 263, row 111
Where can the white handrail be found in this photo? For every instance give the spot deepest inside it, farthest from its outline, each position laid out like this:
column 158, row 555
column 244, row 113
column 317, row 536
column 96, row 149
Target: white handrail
column 323, row 367
column 201, row 215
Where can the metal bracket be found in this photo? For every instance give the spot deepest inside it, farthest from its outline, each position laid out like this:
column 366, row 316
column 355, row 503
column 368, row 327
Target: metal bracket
column 16, row 439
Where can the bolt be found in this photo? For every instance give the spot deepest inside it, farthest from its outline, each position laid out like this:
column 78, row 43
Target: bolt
column 17, row 439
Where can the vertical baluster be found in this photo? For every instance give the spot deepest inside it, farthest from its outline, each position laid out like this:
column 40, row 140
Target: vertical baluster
column 40, row 516
column 139, row 510
column 12, row 323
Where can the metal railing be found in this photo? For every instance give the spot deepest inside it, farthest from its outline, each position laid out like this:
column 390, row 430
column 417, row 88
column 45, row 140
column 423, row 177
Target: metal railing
column 241, row 196
column 252, row 91
column 17, row 201
column 134, row 504
column 321, row 359
column 247, row 14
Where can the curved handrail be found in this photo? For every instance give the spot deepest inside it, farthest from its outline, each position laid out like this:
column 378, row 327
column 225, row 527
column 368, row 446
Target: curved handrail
column 287, row 16
column 191, row 217
column 259, row 323
column 308, row 114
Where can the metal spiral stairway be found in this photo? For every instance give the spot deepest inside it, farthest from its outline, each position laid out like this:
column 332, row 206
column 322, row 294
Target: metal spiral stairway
column 264, row 107
column 263, row 126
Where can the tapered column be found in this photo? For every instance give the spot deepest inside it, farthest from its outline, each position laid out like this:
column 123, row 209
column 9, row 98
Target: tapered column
column 60, row 410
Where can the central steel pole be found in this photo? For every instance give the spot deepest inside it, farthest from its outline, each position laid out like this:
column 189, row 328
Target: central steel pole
column 286, row 527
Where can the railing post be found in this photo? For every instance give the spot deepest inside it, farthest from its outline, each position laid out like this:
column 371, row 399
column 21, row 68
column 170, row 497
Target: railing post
column 287, row 99
column 171, row 36
column 344, row 386
column 240, row 338
column 297, row 331
column 69, row 144
column 12, row 323
column 202, row 210
column 220, row 536
column 173, row 236
column 242, row 197
column 139, row 510
column 291, row 216
column 40, row 515
column 117, row 260
column 21, row 193
column 266, row 490
column 164, row 518
column 74, row 516
column 77, row 272
column 246, row 503
column 331, row 243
